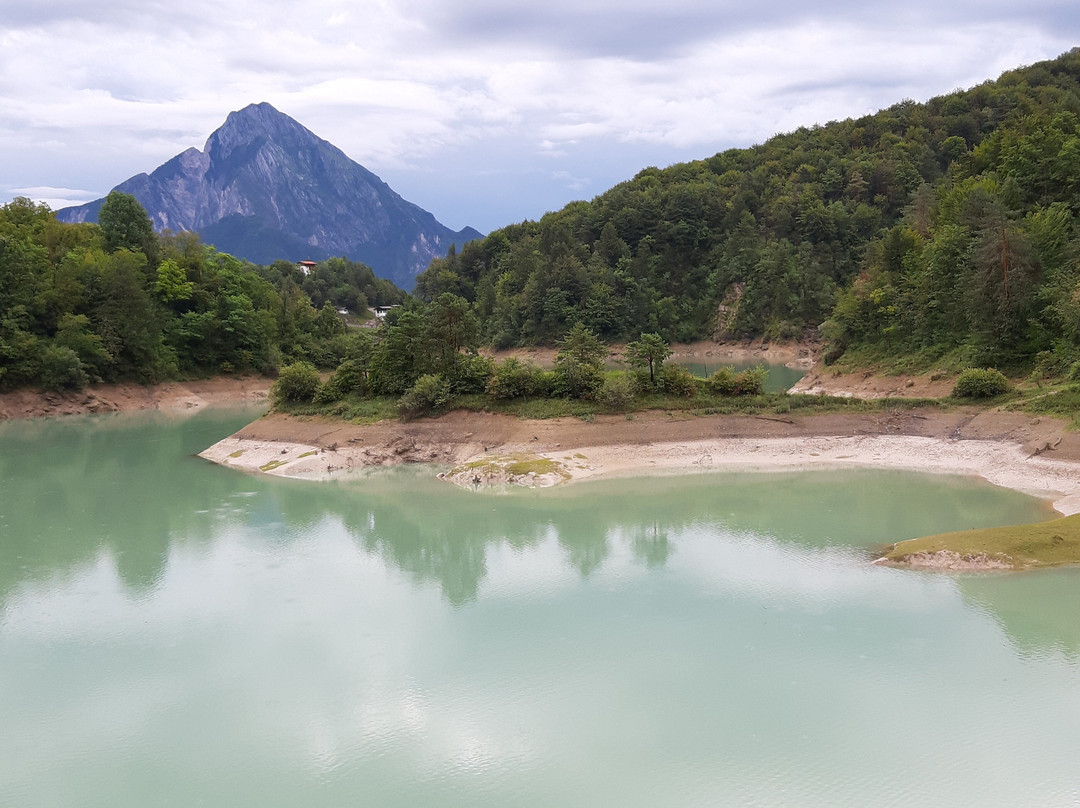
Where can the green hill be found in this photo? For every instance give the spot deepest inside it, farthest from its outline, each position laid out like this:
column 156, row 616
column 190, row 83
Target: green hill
column 925, row 229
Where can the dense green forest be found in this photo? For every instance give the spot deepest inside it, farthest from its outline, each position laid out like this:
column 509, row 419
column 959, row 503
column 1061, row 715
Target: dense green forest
column 945, row 229
column 114, row 301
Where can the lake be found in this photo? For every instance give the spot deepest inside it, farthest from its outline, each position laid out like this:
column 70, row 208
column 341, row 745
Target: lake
column 174, row 633
column 779, row 379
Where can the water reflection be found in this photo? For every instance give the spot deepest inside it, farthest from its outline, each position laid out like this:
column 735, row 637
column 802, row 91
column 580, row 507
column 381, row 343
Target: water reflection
column 714, row 639
column 1039, row 611
column 73, row 487
column 129, row 489
column 447, row 539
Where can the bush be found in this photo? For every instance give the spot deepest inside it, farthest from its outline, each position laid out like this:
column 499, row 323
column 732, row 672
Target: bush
column 61, row 369
column 349, row 378
column 429, row 393
column 980, row 383
column 297, row 382
column 749, row 382
column 578, row 380
column 722, row 383
column 514, row 379
column 471, row 374
column 547, row 382
column 675, row 380
column 616, row 393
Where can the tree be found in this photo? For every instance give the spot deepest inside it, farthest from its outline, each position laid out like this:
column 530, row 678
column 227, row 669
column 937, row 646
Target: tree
column 650, row 350
column 450, row 328
column 172, row 285
column 125, row 225
column 579, row 364
column 329, row 323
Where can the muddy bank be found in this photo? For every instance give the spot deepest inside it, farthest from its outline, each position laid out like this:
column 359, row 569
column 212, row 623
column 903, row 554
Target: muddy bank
column 821, row 380
column 168, row 397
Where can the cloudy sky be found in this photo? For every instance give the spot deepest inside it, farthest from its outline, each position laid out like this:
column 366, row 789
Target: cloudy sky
column 485, row 112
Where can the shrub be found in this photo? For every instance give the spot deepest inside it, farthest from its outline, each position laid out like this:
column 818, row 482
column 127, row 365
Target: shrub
column 349, row 378
column 547, row 382
column 722, row 383
column 472, row 373
column 675, row 380
column 749, row 382
column 428, row 393
column 61, row 369
column 514, row 379
column 578, row 380
column 980, row 383
column 297, row 382
column 616, row 393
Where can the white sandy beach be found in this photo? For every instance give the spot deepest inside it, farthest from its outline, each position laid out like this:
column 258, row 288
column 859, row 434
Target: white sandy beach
column 1001, row 463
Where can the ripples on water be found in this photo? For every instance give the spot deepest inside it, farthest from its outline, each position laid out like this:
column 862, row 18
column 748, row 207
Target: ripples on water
column 172, row 632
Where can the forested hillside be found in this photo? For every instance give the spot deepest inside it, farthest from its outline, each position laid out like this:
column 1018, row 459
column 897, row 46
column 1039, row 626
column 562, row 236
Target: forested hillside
column 87, row 302
column 930, row 228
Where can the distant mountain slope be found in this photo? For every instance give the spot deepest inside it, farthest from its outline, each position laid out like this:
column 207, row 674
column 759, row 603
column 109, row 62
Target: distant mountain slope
column 265, row 188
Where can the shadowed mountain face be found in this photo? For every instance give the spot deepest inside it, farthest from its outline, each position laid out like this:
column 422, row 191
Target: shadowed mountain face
column 265, row 188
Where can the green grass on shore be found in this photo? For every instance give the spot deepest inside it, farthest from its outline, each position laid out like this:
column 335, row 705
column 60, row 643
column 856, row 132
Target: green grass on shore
column 1045, row 544
column 370, row 410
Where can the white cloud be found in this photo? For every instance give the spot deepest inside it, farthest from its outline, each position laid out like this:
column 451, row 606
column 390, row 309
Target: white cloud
column 472, row 105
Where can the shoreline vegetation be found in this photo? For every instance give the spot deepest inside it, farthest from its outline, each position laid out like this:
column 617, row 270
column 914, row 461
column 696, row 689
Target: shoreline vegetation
column 900, row 426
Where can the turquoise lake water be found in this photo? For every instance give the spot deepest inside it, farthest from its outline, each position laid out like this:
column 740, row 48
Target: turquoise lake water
column 174, row 633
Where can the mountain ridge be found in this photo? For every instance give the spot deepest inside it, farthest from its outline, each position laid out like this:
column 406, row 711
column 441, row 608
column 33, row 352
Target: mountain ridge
column 264, row 187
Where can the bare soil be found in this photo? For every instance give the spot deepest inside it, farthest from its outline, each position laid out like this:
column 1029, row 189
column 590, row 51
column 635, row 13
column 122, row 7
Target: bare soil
column 822, row 380
column 169, row 397
column 493, row 432
column 795, row 354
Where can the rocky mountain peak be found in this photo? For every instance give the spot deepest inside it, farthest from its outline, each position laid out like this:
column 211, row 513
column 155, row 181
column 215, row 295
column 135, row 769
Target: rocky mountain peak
column 264, row 187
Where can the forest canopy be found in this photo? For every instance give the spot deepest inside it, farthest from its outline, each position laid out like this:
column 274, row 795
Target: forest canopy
column 937, row 228
column 114, row 301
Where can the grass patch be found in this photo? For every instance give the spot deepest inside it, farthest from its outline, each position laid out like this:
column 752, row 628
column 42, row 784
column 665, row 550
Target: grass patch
column 536, row 465
column 309, row 454
column 237, row 453
column 1060, row 400
column 700, row 404
column 518, row 465
column 352, row 408
column 273, row 464
column 1045, row 544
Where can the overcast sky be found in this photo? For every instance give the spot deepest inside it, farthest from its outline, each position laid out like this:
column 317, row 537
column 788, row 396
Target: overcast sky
column 484, row 112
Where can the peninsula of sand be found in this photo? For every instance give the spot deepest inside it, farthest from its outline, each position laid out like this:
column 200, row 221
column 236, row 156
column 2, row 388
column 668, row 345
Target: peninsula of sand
column 486, row 450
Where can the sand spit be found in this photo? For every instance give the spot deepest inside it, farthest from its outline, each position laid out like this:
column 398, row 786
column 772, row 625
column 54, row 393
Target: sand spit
column 948, row 561
column 1036, row 456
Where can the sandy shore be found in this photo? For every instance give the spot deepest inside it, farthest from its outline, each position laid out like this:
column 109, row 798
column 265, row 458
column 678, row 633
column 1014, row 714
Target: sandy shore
column 1034, row 455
